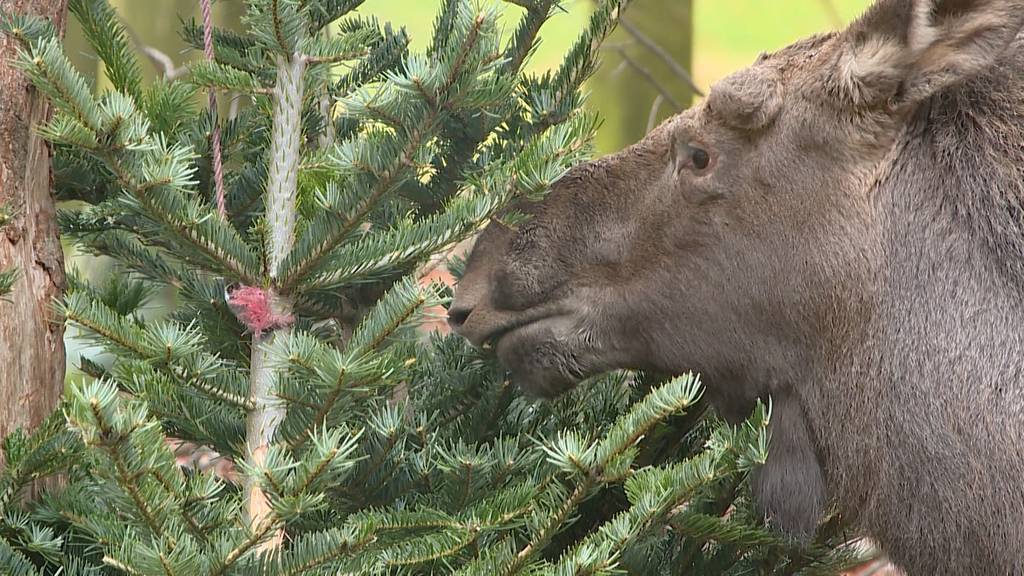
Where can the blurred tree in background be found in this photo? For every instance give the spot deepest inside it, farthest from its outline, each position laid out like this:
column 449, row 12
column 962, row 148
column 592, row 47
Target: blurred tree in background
column 645, row 74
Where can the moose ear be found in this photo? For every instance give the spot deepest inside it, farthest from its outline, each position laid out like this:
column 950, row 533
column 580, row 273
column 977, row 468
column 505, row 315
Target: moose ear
column 904, row 51
column 749, row 99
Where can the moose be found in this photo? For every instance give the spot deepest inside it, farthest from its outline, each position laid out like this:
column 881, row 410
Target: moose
column 839, row 227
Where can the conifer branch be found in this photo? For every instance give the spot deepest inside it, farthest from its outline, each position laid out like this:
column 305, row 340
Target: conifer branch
column 7, row 280
column 99, row 319
column 326, row 11
column 194, row 527
column 256, row 536
column 164, row 169
column 420, row 130
column 239, row 264
column 525, row 39
column 550, row 528
column 297, row 266
column 119, row 565
column 333, row 59
column 581, row 60
column 108, row 37
column 279, row 35
column 344, row 548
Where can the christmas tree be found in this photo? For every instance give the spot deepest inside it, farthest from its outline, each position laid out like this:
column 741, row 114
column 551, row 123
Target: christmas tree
column 292, row 234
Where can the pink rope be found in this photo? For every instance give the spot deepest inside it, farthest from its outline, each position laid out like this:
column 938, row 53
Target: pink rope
column 218, row 166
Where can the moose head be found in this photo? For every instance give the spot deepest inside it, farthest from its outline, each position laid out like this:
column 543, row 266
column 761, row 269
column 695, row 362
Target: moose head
column 740, row 236
column 786, row 237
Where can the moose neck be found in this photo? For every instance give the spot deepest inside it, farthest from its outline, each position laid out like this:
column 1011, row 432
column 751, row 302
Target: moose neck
column 945, row 348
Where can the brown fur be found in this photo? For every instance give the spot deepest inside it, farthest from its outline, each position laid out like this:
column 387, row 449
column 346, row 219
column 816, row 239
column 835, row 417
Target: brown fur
column 855, row 251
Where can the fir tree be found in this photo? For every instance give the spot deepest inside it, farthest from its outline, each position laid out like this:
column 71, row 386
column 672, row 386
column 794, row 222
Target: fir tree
column 292, row 350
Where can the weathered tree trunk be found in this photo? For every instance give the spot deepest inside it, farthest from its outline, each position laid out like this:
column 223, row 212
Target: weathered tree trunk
column 31, row 338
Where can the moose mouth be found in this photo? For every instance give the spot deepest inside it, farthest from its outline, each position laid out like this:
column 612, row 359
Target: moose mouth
column 488, row 327
column 539, row 346
column 541, row 358
column 493, row 339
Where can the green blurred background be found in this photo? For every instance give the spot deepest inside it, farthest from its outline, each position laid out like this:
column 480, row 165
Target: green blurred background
column 707, row 38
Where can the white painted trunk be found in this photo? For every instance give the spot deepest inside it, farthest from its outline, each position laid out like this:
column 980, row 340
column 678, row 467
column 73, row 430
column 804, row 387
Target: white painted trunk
column 285, row 148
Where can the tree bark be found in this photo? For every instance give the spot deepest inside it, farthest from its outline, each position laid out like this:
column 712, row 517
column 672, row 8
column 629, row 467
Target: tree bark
column 31, row 336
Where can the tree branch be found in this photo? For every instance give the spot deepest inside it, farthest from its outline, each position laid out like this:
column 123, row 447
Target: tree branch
column 660, row 52
column 652, row 117
column 641, row 70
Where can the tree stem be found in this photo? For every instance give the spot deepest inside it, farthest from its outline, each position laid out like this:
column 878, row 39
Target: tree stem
column 284, row 161
column 268, row 411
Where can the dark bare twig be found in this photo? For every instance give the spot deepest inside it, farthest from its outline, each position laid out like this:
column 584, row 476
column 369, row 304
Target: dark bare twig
column 650, row 78
column 660, row 52
column 526, row 4
column 160, row 59
column 233, row 107
column 652, row 117
column 163, row 61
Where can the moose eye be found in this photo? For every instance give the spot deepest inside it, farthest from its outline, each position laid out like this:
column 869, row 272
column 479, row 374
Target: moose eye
column 699, row 157
column 691, row 156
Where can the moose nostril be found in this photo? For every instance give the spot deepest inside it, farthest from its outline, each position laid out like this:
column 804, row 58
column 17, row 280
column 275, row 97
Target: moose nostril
column 457, row 316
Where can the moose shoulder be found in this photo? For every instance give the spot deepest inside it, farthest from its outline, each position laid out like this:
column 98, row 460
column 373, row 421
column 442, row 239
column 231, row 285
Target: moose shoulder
column 839, row 226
